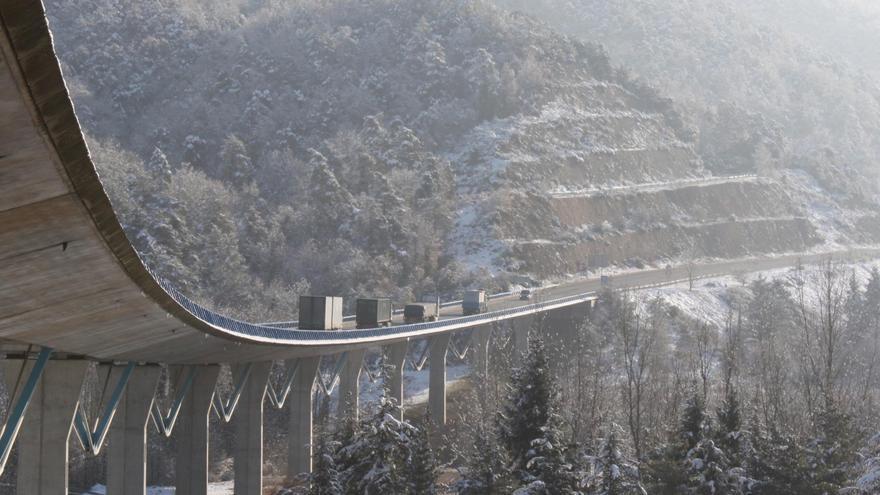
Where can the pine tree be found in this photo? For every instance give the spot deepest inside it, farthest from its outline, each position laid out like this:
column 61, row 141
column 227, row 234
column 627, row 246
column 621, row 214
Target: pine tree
column 527, row 407
column 375, row 459
column 548, row 462
column 693, row 423
column 831, row 453
column 486, row 465
column 324, row 479
column 618, row 476
column 325, row 476
column 709, row 471
column 869, row 480
column 423, row 465
column 729, row 434
column 779, row 465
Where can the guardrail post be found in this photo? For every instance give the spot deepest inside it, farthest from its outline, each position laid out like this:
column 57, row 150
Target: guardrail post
column 43, row 441
column 193, row 437
column 299, row 435
column 437, row 378
column 395, row 354
column 480, row 341
column 349, row 384
column 127, row 455
column 249, row 432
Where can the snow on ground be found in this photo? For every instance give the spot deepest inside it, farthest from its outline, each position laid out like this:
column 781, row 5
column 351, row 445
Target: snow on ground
column 415, row 384
column 707, row 303
column 562, row 192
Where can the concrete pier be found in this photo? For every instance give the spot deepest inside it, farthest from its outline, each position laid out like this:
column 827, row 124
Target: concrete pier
column 127, row 447
column 395, row 355
column 349, row 384
column 437, row 378
column 192, row 434
column 480, row 342
column 299, row 436
column 43, row 440
column 248, row 421
column 522, row 327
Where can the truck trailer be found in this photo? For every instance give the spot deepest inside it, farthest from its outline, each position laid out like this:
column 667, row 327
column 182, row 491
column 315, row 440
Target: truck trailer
column 474, row 302
column 320, row 313
column 420, row 312
column 373, row 312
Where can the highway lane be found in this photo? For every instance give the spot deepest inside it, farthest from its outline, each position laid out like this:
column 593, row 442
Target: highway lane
column 676, row 274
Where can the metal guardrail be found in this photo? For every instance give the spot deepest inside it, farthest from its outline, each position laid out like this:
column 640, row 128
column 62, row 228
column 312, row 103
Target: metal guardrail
column 294, row 323
column 292, row 336
column 317, row 337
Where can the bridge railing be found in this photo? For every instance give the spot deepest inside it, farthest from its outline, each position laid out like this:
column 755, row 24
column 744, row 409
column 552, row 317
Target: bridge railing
column 296, row 336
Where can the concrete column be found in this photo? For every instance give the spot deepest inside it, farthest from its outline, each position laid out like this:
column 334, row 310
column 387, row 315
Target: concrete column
column 480, row 341
column 349, row 384
column 299, row 435
column 248, row 420
column 43, row 439
column 192, row 434
column 127, row 449
column 437, row 378
column 522, row 326
column 395, row 355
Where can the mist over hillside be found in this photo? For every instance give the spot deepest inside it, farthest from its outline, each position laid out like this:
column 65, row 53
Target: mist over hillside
column 769, row 84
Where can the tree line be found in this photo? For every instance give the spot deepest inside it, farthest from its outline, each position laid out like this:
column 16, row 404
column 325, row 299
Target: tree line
column 641, row 399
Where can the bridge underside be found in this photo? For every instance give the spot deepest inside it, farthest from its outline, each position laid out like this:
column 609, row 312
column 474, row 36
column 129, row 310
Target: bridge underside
column 70, row 278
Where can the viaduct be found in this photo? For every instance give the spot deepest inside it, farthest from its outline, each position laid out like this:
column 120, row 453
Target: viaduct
column 73, row 291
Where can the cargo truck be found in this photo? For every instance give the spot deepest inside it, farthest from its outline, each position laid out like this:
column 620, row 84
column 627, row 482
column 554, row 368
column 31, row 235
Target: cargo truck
column 373, row 313
column 320, row 313
column 474, row 302
column 420, row 312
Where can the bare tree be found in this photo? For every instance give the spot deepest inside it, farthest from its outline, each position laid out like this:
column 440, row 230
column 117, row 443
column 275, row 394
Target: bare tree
column 637, row 335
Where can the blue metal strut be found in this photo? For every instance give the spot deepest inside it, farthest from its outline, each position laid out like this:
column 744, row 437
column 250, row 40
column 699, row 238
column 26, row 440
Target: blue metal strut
column 92, row 440
column 16, row 416
column 225, row 409
column 165, row 422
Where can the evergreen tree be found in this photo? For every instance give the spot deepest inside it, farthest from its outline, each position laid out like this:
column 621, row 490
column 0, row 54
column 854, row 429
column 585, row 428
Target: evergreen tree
column 324, row 479
column 618, row 477
column 729, row 435
column 375, row 459
column 831, row 454
column 486, row 465
column 548, row 462
column 527, row 408
column 709, row 472
column 235, row 164
column 869, row 480
column 325, row 476
column 693, row 423
column 779, row 465
column 423, row 465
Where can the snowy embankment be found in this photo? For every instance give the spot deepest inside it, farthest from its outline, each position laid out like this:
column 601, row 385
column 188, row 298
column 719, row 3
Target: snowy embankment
column 708, row 303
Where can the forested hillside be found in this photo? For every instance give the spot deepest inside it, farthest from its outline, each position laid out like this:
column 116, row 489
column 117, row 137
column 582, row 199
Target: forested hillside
column 260, row 149
column 273, row 147
column 769, row 84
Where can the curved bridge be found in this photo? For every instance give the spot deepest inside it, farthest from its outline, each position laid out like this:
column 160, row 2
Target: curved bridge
column 71, row 281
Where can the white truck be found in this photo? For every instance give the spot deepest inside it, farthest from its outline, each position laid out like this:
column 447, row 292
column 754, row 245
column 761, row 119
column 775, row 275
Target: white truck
column 320, row 313
column 474, row 302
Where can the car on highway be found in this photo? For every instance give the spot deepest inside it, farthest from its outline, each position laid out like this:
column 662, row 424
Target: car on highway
column 525, row 294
